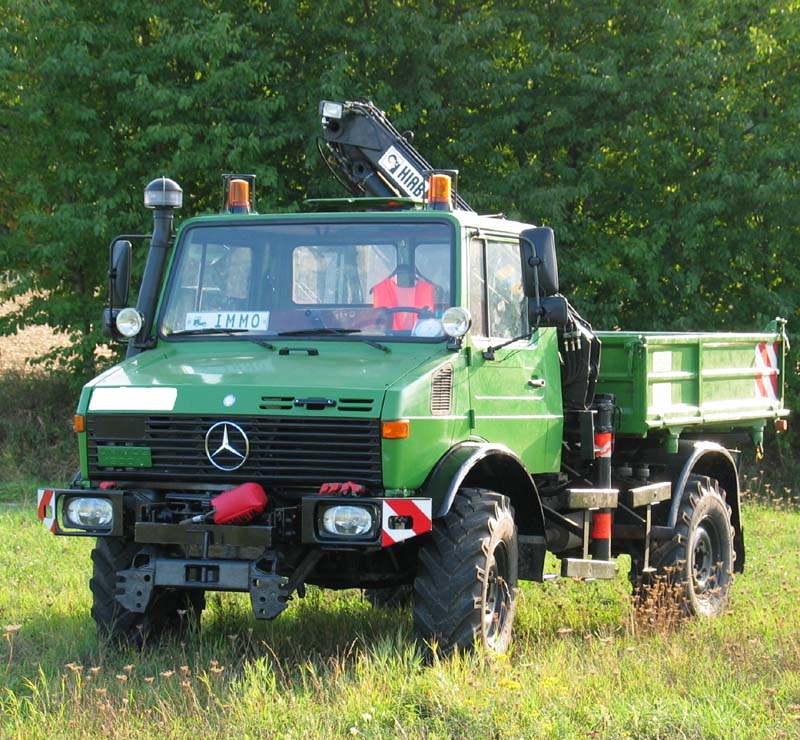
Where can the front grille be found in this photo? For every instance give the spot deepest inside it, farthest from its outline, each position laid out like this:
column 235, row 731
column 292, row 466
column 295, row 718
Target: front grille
column 285, row 452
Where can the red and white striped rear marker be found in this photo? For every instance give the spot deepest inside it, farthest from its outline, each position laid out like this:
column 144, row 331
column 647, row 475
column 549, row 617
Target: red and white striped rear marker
column 767, row 366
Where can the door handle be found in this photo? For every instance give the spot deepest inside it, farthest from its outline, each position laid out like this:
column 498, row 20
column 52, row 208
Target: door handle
column 537, row 382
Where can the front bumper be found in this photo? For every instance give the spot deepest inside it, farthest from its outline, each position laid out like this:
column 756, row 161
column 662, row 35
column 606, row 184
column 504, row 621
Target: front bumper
column 394, row 520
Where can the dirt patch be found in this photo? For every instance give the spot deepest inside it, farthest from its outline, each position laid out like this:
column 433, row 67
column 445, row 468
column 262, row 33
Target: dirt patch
column 26, row 345
column 35, row 341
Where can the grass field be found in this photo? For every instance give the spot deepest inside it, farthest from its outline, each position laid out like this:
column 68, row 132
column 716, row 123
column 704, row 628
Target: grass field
column 581, row 663
column 584, row 662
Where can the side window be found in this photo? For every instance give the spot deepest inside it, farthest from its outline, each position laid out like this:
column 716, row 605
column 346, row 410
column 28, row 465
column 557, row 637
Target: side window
column 506, row 304
column 477, row 287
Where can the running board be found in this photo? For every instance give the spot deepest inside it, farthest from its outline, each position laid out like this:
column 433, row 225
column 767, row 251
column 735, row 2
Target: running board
column 586, row 569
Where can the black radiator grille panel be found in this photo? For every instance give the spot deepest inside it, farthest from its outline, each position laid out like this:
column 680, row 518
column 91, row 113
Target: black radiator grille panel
column 290, row 452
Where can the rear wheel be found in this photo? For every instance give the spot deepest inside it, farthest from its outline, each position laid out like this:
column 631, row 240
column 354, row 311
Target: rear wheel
column 466, row 585
column 169, row 610
column 700, row 556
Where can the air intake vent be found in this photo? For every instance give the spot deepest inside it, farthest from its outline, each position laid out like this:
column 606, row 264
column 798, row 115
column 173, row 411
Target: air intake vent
column 283, row 403
column 442, row 391
column 363, row 405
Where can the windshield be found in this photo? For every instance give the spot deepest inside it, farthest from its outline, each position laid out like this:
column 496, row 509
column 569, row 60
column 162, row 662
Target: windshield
column 380, row 279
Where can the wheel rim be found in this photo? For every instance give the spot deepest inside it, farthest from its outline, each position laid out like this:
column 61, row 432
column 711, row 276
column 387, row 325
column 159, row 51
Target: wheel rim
column 497, row 602
column 705, row 556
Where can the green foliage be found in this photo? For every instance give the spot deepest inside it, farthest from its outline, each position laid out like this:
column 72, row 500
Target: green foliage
column 662, row 143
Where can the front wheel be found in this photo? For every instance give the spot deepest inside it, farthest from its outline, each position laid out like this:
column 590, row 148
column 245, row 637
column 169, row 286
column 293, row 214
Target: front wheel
column 700, row 556
column 466, row 585
column 169, row 610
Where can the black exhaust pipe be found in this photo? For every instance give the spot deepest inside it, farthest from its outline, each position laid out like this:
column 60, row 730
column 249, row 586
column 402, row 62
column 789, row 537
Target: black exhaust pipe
column 163, row 196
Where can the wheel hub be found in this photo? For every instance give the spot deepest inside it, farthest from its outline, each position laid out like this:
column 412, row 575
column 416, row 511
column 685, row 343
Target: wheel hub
column 704, row 559
column 498, row 596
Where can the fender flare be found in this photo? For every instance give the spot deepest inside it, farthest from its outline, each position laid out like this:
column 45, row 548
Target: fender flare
column 492, row 466
column 715, row 461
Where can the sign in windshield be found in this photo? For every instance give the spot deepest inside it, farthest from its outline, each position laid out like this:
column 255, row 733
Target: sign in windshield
column 385, row 279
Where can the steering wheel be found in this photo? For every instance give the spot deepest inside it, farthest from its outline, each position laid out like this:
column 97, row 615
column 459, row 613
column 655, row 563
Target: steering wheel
column 406, row 309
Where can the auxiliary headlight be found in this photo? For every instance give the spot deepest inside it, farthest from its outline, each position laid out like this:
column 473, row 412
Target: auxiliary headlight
column 129, row 322
column 89, row 512
column 347, row 520
column 456, row 321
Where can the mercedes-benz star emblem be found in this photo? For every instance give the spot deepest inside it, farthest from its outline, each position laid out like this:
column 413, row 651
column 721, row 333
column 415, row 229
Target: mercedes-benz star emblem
column 227, row 446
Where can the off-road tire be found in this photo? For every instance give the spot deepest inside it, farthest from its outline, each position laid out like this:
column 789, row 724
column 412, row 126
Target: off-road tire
column 389, row 597
column 700, row 556
column 169, row 611
column 466, row 585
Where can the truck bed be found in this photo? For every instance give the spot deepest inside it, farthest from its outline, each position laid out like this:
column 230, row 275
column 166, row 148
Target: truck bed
column 687, row 382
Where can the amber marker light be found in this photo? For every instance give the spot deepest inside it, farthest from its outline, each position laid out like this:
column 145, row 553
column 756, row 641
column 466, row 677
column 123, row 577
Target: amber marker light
column 238, row 196
column 440, row 192
column 396, row 429
column 79, row 423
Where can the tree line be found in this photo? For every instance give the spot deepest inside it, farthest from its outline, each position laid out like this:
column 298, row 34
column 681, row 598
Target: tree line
column 661, row 141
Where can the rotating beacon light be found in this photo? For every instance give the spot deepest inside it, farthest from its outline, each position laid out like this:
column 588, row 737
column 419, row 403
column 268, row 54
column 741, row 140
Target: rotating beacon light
column 239, row 193
column 440, row 189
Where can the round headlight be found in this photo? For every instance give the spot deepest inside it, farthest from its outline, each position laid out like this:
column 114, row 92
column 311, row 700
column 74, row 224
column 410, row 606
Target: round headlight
column 90, row 512
column 456, row 321
column 129, row 322
column 348, row 521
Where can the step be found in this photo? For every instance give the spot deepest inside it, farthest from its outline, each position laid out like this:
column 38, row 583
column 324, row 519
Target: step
column 592, row 498
column 649, row 494
column 585, row 569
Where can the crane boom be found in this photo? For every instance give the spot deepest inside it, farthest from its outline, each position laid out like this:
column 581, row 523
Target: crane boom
column 369, row 155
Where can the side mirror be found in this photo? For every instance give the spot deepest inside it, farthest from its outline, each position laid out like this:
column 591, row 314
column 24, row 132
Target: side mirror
column 539, row 265
column 119, row 273
column 550, row 311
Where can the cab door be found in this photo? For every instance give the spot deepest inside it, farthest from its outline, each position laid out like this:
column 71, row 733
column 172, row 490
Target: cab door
column 515, row 390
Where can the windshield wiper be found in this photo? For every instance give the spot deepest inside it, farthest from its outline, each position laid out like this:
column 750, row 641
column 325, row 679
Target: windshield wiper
column 373, row 343
column 333, row 330
column 317, row 330
column 208, row 330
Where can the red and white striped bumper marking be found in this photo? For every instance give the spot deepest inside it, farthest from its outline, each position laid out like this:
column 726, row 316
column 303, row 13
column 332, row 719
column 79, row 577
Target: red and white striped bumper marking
column 419, row 510
column 767, row 367
column 46, row 508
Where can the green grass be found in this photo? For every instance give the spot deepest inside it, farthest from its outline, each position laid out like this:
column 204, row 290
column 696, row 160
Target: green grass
column 332, row 667
column 581, row 664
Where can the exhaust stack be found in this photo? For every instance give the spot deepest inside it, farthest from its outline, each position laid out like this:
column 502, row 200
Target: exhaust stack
column 163, row 196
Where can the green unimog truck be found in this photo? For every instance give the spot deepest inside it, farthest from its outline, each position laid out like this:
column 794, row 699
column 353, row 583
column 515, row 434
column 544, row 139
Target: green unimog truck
column 389, row 392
